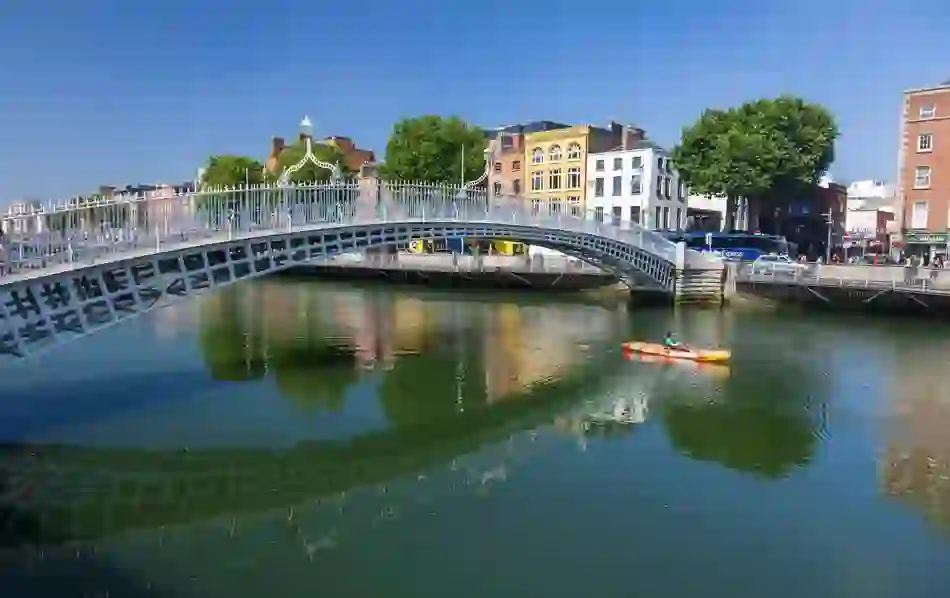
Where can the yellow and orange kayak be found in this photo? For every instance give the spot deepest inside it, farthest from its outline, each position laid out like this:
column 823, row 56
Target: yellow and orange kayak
column 700, row 355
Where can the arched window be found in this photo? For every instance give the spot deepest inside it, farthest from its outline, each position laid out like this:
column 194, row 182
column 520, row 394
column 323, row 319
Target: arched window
column 555, row 153
column 497, row 186
column 574, row 151
column 537, row 156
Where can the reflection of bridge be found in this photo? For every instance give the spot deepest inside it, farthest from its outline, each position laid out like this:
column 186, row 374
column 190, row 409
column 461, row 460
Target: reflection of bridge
column 98, row 264
column 78, row 492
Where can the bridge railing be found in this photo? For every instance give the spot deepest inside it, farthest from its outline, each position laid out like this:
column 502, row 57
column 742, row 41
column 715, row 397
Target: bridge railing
column 934, row 280
column 444, row 262
column 78, row 233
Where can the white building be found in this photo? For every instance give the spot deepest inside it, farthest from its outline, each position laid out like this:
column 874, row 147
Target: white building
column 637, row 184
column 871, row 195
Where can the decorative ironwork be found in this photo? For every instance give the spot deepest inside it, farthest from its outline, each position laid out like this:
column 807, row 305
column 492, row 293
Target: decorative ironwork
column 306, row 129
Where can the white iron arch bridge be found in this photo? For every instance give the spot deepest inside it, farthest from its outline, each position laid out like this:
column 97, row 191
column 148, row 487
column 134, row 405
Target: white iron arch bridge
column 77, row 267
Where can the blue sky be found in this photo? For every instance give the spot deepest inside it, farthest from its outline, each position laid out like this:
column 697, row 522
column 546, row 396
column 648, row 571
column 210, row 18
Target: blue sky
column 118, row 91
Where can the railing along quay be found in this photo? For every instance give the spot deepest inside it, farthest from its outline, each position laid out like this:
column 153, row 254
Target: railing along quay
column 897, row 278
column 446, row 262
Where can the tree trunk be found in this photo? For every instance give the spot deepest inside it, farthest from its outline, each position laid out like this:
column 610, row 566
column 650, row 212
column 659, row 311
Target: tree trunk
column 731, row 205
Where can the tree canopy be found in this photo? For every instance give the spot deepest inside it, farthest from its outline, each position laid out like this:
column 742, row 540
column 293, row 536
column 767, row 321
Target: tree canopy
column 429, row 149
column 769, row 147
column 230, row 170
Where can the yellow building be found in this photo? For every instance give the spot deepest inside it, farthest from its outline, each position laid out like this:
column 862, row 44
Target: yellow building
column 556, row 164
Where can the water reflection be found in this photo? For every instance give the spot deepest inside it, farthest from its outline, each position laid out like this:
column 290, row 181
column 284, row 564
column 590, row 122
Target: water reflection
column 316, row 342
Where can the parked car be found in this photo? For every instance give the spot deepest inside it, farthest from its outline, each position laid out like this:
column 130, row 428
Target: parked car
column 776, row 264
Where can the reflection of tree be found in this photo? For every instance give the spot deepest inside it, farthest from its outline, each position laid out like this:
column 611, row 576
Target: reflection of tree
column 313, row 373
column 760, row 427
column 227, row 344
column 426, row 387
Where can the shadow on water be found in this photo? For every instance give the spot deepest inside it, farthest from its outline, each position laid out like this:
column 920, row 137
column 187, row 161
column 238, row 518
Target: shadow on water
column 28, row 569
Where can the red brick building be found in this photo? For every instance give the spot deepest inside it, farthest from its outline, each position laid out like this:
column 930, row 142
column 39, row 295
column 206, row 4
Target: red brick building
column 924, row 177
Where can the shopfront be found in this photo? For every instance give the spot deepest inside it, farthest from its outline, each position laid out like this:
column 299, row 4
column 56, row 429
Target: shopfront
column 925, row 245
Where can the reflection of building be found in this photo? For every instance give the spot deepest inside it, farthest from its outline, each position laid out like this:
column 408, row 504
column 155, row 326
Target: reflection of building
column 915, row 468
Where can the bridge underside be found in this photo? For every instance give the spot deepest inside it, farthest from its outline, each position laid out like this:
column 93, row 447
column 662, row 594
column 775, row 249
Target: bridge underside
column 46, row 309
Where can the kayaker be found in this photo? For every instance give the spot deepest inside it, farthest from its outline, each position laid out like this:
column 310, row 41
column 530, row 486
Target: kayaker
column 670, row 343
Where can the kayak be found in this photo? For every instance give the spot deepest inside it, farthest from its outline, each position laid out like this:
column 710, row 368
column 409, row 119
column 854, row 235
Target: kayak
column 707, row 368
column 700, row 355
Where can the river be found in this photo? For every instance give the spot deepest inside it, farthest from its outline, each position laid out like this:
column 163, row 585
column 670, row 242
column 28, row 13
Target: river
column 295, row 438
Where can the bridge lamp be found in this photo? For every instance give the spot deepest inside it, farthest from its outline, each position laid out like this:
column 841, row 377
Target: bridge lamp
column 306, row 127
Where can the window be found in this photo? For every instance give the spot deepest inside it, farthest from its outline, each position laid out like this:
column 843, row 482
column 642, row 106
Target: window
column 554, row 179
column 668, row 164
column 537, row 180
column 656, row 217
column 925, row 142
column 679, row 218
column 636, row 185
column 574, row 151
column 535, row 206
column 618, row 163
column 635, row 214
column 497, row 187
column 497, row 166
column 574, row 205
column 928, row 111
column 666, row 219
column 507, row 142
column 922, row 177
column 918, row 215
column 681, row 190
column 659, row 186
column 598, row 214
column 659, row 164
column 554, row 208
column 615, row 216
column 555, row 153
column 516, row 186
column 599, row 165
column 617, row 186
column 599, row 187
column 516, row 165
column 537, row 156
column 574, row 178
column 667, row 188
column 636, row 162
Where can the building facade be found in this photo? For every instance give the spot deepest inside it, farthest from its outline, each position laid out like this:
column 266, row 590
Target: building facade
column 924, row 181
column 556, row 163
column 638, row 184
column 507, row 175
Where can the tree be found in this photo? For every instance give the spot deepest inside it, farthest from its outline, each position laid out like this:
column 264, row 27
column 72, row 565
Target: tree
column 764, row 148
column 310, row 172
column 230, row 170
column 429, row 149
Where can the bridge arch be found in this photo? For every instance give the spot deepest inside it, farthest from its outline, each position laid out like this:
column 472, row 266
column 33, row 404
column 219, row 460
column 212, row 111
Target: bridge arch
column 78, row 290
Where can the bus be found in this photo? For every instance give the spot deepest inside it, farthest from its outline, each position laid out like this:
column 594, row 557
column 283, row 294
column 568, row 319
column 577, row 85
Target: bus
column 744, row 247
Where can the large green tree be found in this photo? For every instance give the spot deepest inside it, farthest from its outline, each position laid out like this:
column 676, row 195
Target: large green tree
column 767, row 148
column 430, row 149
column 230, row 170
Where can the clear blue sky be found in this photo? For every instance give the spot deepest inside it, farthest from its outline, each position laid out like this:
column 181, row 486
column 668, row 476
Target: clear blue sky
column 123, row 91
